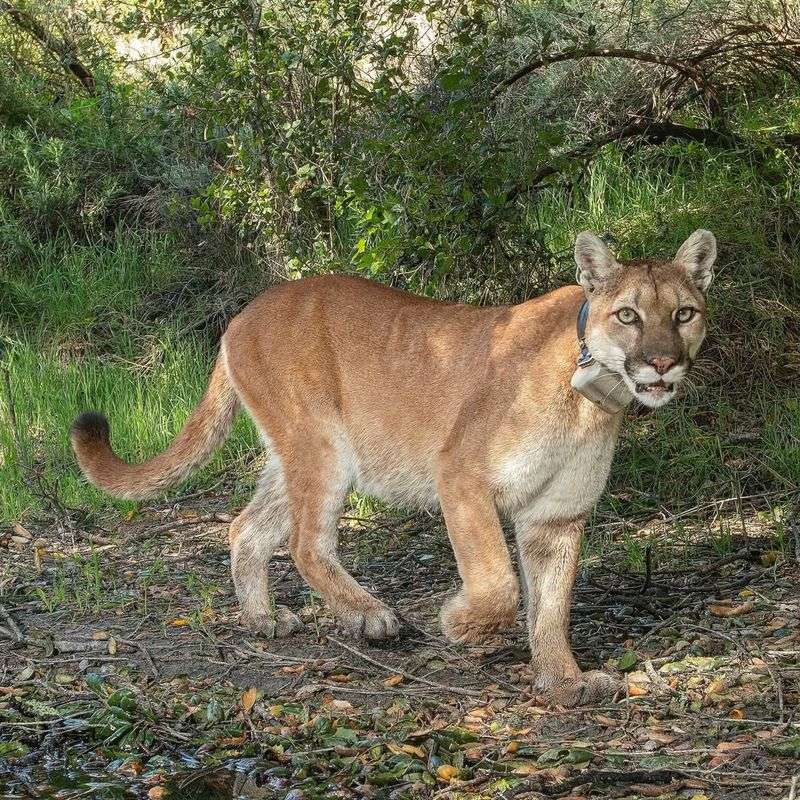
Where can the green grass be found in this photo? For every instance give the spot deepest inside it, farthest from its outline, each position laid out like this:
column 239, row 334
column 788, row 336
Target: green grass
column 91, row 326
column 146, row 405
column 68, row 290
column 78, row 583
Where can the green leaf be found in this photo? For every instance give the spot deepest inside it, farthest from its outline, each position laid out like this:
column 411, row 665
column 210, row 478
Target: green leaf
column 450, row 81
column 345, row 735
column 214, row 711
column 627, row 661
column 788, row 747
column 123, row 699
column 12, row 749
column 94, row 681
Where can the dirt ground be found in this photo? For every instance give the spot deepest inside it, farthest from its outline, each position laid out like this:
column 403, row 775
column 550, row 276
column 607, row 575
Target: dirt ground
column 123, row 672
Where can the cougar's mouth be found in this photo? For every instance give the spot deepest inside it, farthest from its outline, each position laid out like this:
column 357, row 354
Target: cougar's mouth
column 659, row 387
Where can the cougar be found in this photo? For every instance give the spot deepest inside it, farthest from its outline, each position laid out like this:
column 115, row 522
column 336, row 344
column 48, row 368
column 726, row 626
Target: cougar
column 424, row 403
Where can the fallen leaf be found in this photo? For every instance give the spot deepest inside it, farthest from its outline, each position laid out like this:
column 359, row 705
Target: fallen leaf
column 233, row 741
column 648, row 789
column 769, row 557
column 661, row 737
column 566, row 755
column 179, row 622
column 526, row 768
column 20, row 531
column 249, row 697
column 727, row 746
column 728, row 610
column 157, row 792
column 554, row 774
column 393, row 680
column 39, row 552
column 406, row 749
column 634, row 690
column 308, row 690
column 702, row 663
column 609, row 722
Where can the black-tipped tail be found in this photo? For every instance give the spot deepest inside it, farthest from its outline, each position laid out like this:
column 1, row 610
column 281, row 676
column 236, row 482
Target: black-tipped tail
column 90, row 427
column 207, row 427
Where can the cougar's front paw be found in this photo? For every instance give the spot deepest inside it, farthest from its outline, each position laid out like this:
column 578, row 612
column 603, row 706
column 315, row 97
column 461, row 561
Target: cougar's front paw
column 464, row 622
column 581, row 689
column 377, row 622
column 279, row 625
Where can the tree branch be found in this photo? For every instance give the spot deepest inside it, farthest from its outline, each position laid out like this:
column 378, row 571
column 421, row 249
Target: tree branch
column 576, row 53
column 649, row 132
column 63, row 50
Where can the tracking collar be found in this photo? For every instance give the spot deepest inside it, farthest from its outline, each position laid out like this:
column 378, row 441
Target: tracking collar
column 594, row 380
column 585, row 358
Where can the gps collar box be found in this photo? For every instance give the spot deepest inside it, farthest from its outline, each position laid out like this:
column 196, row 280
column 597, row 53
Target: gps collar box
column 606, row 389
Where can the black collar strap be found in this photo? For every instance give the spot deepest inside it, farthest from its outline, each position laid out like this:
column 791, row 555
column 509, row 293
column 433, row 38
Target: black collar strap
column 585, row 357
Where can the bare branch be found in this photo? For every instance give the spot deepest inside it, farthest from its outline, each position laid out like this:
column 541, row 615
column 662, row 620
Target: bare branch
column 646, row 132
column 577, row 53
column 63, row 50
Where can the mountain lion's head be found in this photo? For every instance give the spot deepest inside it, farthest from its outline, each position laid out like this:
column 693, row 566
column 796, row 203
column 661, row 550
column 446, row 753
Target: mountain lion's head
column 647, row 318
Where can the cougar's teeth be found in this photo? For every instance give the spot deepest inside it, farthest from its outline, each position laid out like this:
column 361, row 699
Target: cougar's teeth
column 654, row 387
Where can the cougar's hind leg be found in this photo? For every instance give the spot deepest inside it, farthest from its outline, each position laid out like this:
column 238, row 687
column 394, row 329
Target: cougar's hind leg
column 318, row 480
column 254, row 535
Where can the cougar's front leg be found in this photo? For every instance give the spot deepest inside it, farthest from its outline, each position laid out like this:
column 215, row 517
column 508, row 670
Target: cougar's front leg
column 488, row 599
column 548, row 553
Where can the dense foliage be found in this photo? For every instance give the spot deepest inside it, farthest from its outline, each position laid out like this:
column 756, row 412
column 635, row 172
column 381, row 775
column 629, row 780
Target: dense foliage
column 161, row 162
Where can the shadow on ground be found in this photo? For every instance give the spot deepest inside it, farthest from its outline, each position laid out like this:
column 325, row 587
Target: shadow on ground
column 123, row 673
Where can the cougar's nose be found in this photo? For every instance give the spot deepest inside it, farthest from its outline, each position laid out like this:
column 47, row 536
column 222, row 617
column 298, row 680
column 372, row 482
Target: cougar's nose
column 662, row 364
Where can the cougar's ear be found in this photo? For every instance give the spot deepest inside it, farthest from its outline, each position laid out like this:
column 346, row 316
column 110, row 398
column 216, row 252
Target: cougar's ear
column 596, row 263
column 697, row 255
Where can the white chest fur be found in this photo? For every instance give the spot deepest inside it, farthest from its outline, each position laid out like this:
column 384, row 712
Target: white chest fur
column 557, row 473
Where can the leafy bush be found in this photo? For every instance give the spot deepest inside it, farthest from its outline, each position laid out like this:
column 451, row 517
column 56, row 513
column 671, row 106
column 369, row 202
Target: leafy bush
column 450, row 148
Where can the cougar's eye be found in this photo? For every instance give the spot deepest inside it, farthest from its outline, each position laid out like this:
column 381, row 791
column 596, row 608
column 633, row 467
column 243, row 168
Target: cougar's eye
column 684, row 314
column 627, row 316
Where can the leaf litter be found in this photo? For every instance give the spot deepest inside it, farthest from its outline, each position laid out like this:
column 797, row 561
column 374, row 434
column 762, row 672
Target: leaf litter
column 125, row 674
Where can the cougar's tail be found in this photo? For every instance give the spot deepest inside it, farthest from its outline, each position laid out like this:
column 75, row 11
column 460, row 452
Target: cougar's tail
column 204, row 431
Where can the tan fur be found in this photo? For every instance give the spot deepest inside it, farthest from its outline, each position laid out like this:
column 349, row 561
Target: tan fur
column 355, row 385
column 204, row 431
